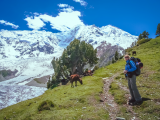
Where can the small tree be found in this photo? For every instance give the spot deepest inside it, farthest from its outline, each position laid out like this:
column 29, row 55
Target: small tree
column 135, row 43
column 96, row 67
column 116, row 56
column 86, row 70
column 140, row 36
column 113, row 61
column 48, row 83
column 145, row 34
column 158, row 30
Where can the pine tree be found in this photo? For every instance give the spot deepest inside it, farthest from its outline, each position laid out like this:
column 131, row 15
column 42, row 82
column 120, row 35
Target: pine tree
column 140, row 36
column 135, row 43
column 76, row 55
column 116, row 56
column 145, row 34
column 113, row 61
column 158, row 30
column 48, row 83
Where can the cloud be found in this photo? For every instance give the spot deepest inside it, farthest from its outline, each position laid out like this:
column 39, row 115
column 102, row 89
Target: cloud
column 82, row 2
column 66, row 19
column 63, row 5
column 8, row 23
column 34, row 22
column 36, row 13
column 66, row 7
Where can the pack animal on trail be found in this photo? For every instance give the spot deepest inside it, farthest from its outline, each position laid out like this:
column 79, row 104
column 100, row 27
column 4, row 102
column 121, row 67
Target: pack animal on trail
column 75, row 77
column 133, row 53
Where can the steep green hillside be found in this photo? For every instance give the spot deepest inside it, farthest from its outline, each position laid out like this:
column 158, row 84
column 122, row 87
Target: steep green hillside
column 83, row 102
column 148, row 82
column 71, row 103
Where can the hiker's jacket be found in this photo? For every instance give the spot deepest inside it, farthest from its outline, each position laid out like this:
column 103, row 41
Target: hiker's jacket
column 131, row 67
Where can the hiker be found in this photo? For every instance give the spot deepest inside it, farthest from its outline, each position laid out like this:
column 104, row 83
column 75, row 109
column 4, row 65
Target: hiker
column 131, row 77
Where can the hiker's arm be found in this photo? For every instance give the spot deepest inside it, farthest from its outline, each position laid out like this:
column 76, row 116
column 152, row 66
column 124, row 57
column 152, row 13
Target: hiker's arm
column 133, row 67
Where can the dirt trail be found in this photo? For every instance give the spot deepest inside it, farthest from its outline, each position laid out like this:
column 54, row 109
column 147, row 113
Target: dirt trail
column 107, row 98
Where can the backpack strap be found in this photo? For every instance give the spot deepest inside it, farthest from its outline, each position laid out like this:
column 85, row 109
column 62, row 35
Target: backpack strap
column 129, row 64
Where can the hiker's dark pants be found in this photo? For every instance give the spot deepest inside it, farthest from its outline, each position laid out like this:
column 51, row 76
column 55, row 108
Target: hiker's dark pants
column 133, row 88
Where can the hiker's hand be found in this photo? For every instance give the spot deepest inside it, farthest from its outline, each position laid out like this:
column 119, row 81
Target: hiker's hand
column 125, row 71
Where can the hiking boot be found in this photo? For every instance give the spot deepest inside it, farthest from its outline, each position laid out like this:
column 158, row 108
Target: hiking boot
column 136, row 103
column 132, row 100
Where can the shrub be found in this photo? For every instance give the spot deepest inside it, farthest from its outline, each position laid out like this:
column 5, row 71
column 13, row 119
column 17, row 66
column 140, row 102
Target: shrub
column 143, row 41
column 45, row 105
column 86, row 70
column 96, row 67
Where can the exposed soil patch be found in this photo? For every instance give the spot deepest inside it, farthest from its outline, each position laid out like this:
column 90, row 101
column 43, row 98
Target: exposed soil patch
column 39, row 82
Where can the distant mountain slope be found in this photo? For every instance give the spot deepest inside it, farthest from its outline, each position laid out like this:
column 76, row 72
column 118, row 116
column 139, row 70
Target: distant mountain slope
column 106, row 52
column 25, row 44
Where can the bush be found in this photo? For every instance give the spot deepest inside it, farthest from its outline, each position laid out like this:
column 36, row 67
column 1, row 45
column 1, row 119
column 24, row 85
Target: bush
column 96, row 67
column 143, row 41
column 45, row 105
column 86, row 70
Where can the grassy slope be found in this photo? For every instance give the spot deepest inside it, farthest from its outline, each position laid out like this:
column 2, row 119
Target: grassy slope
column 148, row 82
column 87, row 95
column 69, row 103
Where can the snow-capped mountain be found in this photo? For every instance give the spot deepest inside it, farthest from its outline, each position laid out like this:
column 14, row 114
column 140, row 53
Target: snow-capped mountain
column 95, row 35
column 25, row 44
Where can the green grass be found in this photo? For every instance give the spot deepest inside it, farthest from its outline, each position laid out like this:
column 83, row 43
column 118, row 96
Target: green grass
column 117, row 93
column 148, row 82
column 142, row 41
column 68, row 103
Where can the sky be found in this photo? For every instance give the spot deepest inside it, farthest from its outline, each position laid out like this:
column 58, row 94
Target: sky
column 133, row 16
